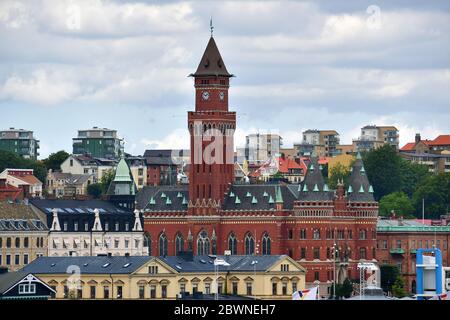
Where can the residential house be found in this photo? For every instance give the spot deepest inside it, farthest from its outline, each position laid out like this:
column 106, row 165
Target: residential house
column 19, row 141
column 23, row 235
column 373, row 137
column 322, row 143
column 23, row 286
column 61, row 184
column 24, row 180
column 83, row 164
column 98, row 143
column 162, row 167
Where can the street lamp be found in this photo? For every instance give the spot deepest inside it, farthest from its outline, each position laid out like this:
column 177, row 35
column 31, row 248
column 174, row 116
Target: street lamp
column 218, row 262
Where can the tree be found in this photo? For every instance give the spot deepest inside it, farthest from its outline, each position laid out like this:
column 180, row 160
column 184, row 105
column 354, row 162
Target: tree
column 55, row 160
column 388, row 275
column 106, row 180
column 412, row 175
column 95, row 190
column 382, row 166
column 13, row 160
column 338, row 172
column 347, row 288
column 398, row 288
column 435, row 190
column 397, row 201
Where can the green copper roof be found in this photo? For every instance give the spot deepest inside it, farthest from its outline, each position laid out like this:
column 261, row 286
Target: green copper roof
column 163, row 195
column 350, row 189
column 184, row 201
column 358, row 156
column 271, row 199
column 370, row 189
column 265, row 194
column 231, row 195
column 254, row 201
column 362, row 170
column 311, row 167
column 168, row 201
column 179, row 195
column 237, row 201
column 152, row 201
column 122, row 172
column 248, row 194
column 361, row 189
column 299, row 188
column 325, row 188
column 278, row 196
column 305, row 188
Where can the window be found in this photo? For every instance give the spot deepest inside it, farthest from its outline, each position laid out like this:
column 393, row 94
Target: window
column 294, row 287
column 127, row 226
column 362, row 234
column 274, row 288
column 65, row 226
column 106, row 292
column 316, row 234
column 163, row 245
column 25, row 258
column 290, row 234
column 266, row 245
column 249, row 244
column 182, row 287
column 80, row 293
column 141, row 292
column 116, row 226
column 232, row 243
column 86, row 226
column 119, row 292
column 27, row 288
column 163, row 291
column 66, row 292
column 153, row 269
column 316, row 275
column 8, row 259
column 385, row 244
column 17, row 242
column 106, row 226
column 362, row 253
column 249, row 286
column 284, row 267
column 92, row 290
column 399, row 244
column 284, row 288
column 302, row 253
column 153, row 292
column 207, row 288
column 127, row 243
column 234, row 288
column 17, row 259
column 25, row 242
column 303, row 234
column 116, row 243
column 316, row 253
column 350, row 234
column 203, row 243
column 1, row 259
column 179, row 243
column 220, row 287
column 75, row 226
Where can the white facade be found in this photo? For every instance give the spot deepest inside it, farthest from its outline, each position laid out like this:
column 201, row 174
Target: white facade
column 311, row 137
column 96, row 241
column 72, row 165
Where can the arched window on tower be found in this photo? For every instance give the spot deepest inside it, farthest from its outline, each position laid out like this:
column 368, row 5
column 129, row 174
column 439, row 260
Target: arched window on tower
column 163, row 244
column 232, row 243
column 203, row 243
column 179, row 243
column 266, row 244
column 249, row 244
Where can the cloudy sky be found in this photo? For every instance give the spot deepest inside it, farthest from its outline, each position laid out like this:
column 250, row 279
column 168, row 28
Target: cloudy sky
column 69, row 65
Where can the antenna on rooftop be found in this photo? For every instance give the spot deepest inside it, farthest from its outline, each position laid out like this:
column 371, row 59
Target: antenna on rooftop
column 211, row 26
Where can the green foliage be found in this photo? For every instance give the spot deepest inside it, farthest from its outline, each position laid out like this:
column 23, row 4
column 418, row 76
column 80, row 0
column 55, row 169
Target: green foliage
column 388, row 274
column 397, row 201
column 55, row 159
column 398, row 288
column 14, row 161
column 343, row 290
column 383, row 170
column 412, row 175
column 95, row 190
column 436, row 192
column 106, row 179
column 338, row 172
column 325, row 171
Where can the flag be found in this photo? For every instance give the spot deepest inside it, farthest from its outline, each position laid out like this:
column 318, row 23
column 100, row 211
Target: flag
column 307, row 294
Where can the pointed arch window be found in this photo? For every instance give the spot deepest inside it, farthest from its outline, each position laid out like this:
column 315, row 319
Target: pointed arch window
column 232, row 243
column 203, row 244
column 179, row 243
column 163, row 244
column 249, row 244
column 266, row 244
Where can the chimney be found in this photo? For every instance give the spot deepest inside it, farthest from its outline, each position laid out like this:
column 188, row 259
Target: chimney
column 400, row 220
column 418, row 137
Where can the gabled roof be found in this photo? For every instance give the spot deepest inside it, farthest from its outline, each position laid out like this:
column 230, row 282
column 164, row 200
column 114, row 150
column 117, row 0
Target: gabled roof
column 211, row 63
column 29, row 179
column 11, row 279
column 408, row 147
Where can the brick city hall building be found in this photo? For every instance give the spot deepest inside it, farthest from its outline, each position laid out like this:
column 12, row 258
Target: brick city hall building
column 214, row 215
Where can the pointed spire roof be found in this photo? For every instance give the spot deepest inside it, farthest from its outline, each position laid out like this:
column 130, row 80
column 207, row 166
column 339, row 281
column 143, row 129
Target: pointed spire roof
column 122, row 172
column 358, row 183
column 313, row 186
column 211, row 63
column 278, row 196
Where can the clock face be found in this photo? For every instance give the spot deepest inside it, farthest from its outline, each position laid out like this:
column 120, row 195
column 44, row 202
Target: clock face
column 221, row 95
column 205, row 95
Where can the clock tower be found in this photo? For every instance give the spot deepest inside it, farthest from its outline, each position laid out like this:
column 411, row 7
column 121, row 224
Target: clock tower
column 211, row 127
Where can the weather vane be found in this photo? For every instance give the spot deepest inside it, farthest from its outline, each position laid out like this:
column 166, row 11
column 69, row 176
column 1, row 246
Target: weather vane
column 211, row 26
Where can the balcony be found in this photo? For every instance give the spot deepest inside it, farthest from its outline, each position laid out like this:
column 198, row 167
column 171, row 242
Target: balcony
column 397, row 251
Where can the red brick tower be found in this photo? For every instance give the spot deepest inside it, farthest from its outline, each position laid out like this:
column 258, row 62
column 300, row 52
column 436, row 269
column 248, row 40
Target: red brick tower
column 211, row 127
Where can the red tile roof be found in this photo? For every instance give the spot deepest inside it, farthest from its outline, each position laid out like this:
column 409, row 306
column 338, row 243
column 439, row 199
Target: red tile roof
column 30, row 179
column 442, row 140
column 288, row 163
column 408, row 147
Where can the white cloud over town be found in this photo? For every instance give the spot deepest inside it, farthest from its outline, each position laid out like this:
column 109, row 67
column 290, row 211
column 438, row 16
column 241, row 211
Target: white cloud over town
column 298, row 65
